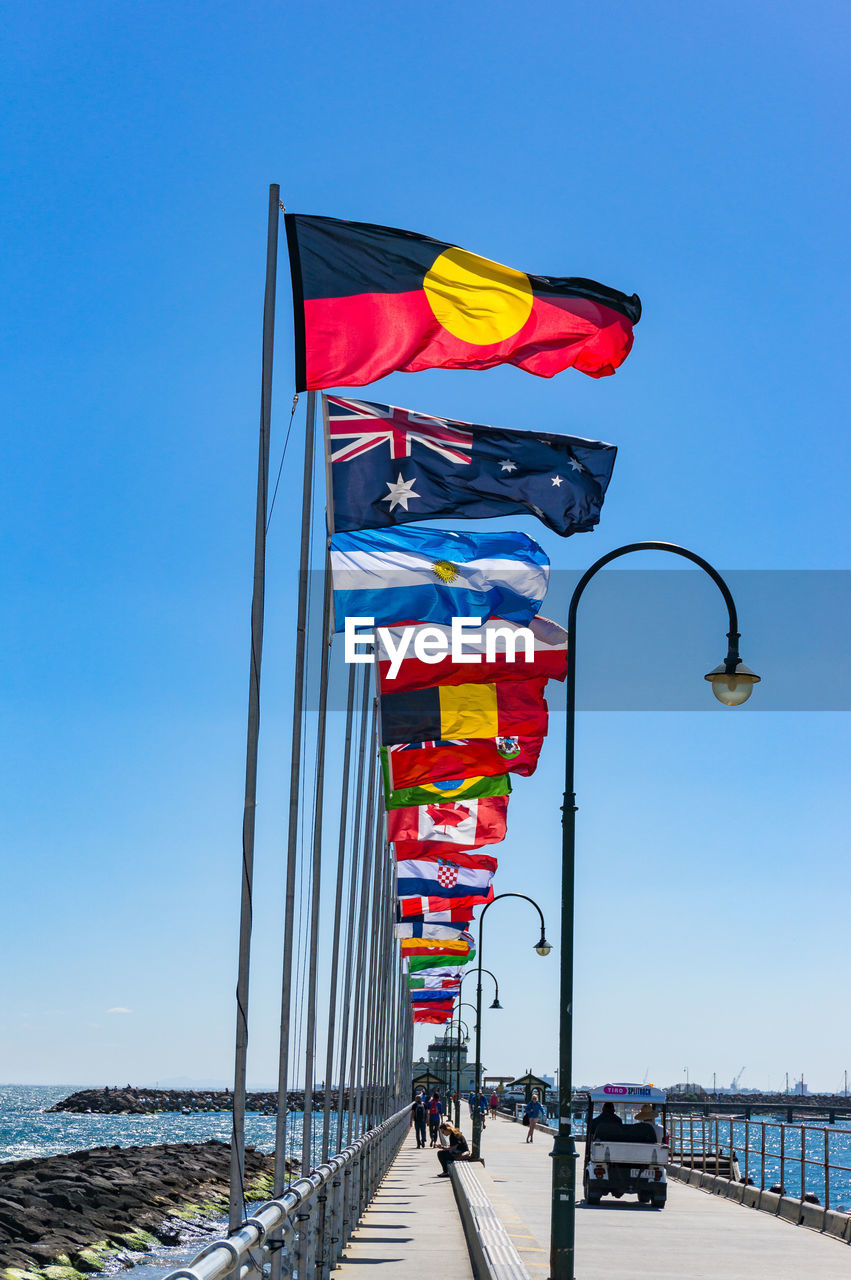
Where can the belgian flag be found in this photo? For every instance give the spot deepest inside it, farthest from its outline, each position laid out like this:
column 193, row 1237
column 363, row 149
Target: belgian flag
column 370, row 300
column 465, row 711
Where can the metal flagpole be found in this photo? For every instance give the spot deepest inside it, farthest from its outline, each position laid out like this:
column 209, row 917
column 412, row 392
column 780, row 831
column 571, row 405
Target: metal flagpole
column 353, row 915
column 368, row 985
column 310, row 1036
column 362, row 925
column 292, row 834
column 237, row 1154
column 338, row 911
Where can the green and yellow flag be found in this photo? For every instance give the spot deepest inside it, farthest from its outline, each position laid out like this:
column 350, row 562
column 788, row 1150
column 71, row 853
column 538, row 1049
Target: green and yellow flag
column 453, row 789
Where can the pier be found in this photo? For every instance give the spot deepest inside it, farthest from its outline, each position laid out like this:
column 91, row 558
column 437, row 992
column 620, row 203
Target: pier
column 388, row 1208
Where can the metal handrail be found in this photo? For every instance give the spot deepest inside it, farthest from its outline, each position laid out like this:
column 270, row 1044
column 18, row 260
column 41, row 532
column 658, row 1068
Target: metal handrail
column 714, row 1136
column 245, row 1251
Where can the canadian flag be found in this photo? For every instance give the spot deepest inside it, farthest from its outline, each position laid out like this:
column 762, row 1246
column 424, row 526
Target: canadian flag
column 451, row 823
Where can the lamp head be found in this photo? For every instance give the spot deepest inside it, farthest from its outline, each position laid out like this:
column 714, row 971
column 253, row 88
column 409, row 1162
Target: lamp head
column 732, row 683
column 496, row 1004
column 543, row 948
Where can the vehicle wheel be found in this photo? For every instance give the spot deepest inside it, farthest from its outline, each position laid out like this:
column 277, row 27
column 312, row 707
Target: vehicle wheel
column 643, row 1197
column 659, row 1202
column 592, row 1197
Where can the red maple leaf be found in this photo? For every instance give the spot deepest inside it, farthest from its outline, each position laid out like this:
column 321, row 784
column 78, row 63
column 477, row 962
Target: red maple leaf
column 448, row 815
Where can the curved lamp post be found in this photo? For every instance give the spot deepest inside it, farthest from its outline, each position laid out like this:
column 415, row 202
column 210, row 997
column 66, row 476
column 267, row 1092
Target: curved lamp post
column 458, row 1060
column 732, row 683
column 495, row 1005
column 461, row 1005
column 543, row 948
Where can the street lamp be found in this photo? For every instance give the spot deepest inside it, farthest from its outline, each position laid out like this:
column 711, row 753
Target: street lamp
column 458, row 1058
column 495, row 1005
column 732, row 683
column 543, row 948
column 461, row 1005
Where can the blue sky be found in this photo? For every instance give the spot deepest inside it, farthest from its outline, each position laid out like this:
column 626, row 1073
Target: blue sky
column 692, row 154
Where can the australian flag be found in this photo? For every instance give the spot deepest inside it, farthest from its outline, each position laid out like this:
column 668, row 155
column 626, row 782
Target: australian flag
column 389, row 466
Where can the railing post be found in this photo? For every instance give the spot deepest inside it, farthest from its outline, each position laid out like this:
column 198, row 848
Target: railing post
column 332, row 1245
column 747, row 1148
column 803, row 1160
column 345, row 1206
column 762, row 1158
column 783, row 1158
column 827, row 1168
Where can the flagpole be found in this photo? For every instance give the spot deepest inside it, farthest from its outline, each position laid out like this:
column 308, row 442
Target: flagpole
column 352, row 913
column 237, row 1155
column 280, row 1174
column 357, row 1021
column 338, row 913
column 310, row 1037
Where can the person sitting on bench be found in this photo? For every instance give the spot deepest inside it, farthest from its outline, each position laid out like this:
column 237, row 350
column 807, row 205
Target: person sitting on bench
column 457, row 1149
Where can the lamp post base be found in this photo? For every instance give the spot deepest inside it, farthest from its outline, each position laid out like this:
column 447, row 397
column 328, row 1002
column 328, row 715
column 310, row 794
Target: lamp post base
column 563, row 1207
column 475, row 1154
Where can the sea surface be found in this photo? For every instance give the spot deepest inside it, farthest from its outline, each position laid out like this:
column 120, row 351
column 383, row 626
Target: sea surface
column 28, row 1131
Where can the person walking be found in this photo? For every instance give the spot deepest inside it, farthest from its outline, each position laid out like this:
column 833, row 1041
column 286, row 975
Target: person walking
column 494, row 1103
column 482, row 1105
column 418, row 1112
column 533, row 1113
column 456, row 1149
column 435, row 1111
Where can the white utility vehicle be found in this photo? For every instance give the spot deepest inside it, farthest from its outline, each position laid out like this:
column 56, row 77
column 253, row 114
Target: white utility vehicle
column 625, row 1155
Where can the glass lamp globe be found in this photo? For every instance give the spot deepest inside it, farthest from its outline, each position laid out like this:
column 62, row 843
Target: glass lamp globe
column 732, row 687
column 543, row 948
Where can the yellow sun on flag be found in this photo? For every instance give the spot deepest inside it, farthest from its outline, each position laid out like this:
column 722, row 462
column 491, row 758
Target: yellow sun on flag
column 445, row 570
column 477, row 300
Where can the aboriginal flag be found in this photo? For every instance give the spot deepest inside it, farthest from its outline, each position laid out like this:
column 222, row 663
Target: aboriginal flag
column 369, row 300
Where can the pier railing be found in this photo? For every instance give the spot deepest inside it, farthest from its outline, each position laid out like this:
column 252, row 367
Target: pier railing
column 309, row 1225
column 800, row 1160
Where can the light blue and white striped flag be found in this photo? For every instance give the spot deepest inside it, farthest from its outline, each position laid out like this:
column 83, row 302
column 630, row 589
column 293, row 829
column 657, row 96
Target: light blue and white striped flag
column 434, row 575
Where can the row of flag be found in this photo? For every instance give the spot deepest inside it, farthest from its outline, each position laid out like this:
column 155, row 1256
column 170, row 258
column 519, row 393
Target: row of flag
column 370, row 300
column 452, row 731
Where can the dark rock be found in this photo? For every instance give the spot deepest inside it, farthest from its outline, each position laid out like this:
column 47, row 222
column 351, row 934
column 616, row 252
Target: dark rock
column 61, row 1204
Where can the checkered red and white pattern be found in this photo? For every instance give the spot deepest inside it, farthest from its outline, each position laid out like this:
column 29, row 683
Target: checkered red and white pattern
column 447, row 875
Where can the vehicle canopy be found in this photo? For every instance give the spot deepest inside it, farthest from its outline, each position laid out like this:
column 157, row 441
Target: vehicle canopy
column 627, row 1093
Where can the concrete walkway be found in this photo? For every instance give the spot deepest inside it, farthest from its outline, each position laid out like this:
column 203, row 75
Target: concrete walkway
column 696, row 1236
column 412, row 1230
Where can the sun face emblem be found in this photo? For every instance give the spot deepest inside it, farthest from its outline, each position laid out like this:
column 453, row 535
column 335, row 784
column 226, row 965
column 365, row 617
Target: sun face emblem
column 445, row 570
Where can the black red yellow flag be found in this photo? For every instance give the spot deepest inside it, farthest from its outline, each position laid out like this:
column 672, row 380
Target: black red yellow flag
column 370, row 300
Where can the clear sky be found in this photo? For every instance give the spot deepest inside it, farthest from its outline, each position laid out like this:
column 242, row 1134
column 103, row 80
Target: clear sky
column 695, row 154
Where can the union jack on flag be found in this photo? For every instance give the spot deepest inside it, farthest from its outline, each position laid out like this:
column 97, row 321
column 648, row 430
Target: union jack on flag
column 358, row 426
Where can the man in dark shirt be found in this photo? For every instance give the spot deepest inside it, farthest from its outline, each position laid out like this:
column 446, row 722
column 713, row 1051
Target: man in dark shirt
column 418, row 1114
column 607, row 1116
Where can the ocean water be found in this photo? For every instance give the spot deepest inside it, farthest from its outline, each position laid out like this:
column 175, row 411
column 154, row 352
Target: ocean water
column 760, row 1150
column 27, row 1131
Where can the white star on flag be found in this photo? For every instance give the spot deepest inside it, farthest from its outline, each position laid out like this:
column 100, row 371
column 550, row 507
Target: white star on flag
column 507, row 465
column 557, row 480
column 400, row 493
column 575, row 466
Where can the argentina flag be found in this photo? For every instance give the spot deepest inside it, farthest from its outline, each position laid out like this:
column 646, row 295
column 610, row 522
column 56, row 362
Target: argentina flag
column 434, row 575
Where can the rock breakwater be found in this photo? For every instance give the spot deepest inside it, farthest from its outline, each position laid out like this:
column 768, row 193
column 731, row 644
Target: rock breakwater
column 133, row 1101
column 67, row 1214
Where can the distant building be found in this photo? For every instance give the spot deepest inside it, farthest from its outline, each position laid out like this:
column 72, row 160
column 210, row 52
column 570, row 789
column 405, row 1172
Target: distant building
column 439, row 1069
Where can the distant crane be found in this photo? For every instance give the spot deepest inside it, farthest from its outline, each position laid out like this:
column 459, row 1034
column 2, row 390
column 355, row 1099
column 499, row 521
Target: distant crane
column 734, row 1083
